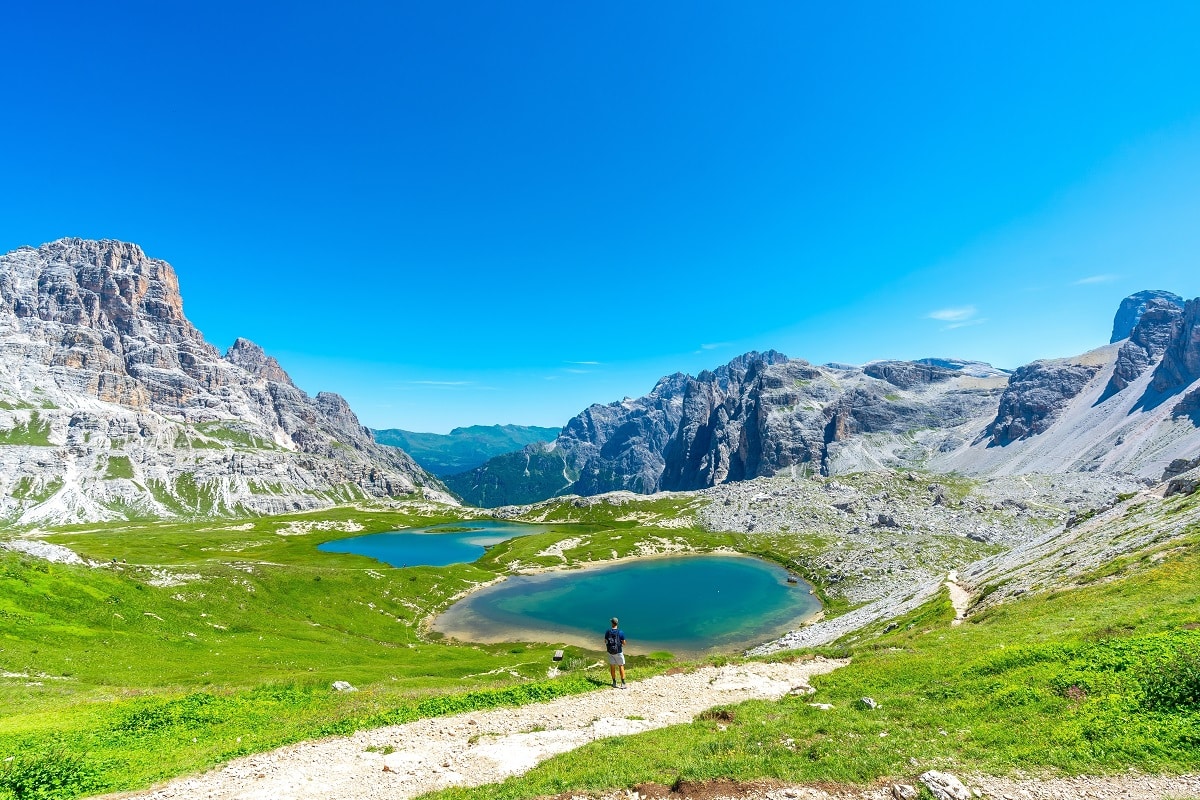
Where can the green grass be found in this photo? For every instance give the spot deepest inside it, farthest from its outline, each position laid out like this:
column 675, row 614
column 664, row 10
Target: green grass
column 203, row 640
column 118, row 467
column 199, row 641
column 35, row 432
column 1100, row 679
column 29, row 488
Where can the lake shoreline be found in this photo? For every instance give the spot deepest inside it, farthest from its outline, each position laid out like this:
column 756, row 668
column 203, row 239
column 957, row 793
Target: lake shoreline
column 466, row 625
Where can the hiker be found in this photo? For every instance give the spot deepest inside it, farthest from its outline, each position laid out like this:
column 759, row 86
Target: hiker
column 614, row 642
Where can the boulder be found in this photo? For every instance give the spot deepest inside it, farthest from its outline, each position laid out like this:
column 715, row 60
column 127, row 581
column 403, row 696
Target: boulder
column 944, row 786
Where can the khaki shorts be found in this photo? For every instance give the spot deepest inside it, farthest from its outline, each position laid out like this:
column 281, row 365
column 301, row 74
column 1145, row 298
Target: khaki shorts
column 616, row 659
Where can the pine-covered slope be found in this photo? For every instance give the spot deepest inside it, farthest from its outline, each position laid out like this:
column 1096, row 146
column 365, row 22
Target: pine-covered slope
column 463, row 448
column 113, row 405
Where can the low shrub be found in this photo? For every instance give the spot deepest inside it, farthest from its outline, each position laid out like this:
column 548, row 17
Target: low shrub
column 53, row 775
column 1173, row 684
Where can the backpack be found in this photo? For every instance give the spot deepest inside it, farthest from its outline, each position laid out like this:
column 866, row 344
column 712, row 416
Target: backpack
column 612, row 639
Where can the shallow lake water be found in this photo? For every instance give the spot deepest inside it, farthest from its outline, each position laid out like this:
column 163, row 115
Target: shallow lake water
column 688, row 605
column 437, row 545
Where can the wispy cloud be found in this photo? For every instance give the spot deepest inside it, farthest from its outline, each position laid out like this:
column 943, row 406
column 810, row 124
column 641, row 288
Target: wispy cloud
column 959, row 317
column 583, row 363
column 1095, row 279
column 960, row 314
column 574, row 371
column 715, row 345
column 964, row 324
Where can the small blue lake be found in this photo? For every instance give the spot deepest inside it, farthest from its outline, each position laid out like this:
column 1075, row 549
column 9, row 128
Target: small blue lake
column 437, row 545
column 688, row 605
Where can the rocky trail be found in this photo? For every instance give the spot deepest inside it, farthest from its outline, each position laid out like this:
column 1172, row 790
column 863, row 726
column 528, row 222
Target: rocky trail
column 478, row 748
column 472, row 749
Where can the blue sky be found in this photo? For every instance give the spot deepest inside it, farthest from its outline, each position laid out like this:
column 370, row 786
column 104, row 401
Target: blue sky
column 459, row 213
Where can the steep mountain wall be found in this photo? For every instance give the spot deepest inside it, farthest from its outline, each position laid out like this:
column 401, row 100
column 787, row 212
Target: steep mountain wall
column 1131, row 407
column 112, row 404
column 757, row 415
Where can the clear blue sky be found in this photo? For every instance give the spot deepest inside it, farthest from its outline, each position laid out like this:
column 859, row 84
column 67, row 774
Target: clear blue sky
column 458, row 213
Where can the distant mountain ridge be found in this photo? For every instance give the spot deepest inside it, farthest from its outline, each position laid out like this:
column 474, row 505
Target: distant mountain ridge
column 112, row 404
column 756, row 415
column 1131, row 407
column 463, row 448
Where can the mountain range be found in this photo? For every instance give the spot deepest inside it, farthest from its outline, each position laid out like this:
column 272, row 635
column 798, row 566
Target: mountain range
column 1131, row 406
column 112, row 404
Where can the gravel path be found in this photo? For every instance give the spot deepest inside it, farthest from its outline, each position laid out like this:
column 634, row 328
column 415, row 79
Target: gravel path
column 1112, row 787
column 487, row 746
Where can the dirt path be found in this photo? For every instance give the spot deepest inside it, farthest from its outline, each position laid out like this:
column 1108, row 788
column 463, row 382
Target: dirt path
column 483, row 747
column 960, row 598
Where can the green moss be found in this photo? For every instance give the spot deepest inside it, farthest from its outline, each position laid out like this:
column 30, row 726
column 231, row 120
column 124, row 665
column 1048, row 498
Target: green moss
column 35, row 431
column 118, row 467
column 28, row 488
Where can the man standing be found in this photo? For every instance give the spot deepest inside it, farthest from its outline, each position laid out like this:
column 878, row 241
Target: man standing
column 614, row 642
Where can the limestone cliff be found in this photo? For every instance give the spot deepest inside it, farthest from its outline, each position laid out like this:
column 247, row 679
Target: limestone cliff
column 757, row 415
column 113, row 404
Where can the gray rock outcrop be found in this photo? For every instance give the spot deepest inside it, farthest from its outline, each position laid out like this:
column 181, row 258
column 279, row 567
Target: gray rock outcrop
column 1132, row 308
column 944, row 786
column 755, row 416
column 1180, row 365
column 1147, row 342
column 1037, row 393
column 112, row 403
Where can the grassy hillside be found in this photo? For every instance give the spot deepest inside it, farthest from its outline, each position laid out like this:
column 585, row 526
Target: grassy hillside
column 463, row 448
column 1103, row 678
column 190, row 643
column 194, row 642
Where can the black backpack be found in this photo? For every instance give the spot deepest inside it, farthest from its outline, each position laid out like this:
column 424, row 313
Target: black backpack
column 612, row 639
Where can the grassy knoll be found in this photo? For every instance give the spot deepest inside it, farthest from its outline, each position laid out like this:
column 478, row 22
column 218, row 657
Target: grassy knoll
column 1096, row 679
column 196, row 641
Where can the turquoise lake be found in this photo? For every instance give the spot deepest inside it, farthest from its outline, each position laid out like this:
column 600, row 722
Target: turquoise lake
column 688, row 605
column 437, row 545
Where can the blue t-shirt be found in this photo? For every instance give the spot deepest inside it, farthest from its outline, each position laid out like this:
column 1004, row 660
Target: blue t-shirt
column 614, row 640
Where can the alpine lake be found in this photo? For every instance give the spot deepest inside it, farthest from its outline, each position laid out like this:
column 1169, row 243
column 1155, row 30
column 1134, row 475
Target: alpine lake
column 688, row 605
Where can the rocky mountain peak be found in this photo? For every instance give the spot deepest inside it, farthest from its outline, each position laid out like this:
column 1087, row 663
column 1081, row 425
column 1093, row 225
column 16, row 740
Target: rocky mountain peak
column 1146, row 344
column 1180, row 364
column 252, row 358
column 1132, row 308
column 135, row 413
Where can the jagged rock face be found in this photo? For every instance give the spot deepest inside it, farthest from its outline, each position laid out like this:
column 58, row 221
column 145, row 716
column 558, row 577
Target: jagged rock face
column 1189, row 406
column 726, row 430
column 1147, row 343
column 1132, row 308
column 252, row 358
column 1180, row 364
column 757, row 415
column 907, row 374
column 1036, row 394
column 619, row 445
column 112, row 403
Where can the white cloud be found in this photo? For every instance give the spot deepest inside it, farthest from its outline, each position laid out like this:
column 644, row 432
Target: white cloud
column 584, row 363
column 964, row 324
column 1095, row 279
column 960, row 314
column 715, row 345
